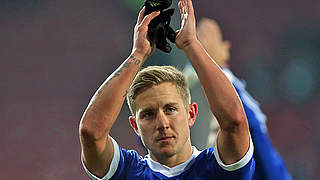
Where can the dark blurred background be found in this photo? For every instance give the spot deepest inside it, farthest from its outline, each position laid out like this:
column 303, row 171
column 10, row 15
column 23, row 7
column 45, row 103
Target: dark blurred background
column 54, row 54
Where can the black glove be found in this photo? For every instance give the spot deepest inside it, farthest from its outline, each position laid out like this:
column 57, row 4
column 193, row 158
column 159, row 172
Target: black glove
column 159, row 29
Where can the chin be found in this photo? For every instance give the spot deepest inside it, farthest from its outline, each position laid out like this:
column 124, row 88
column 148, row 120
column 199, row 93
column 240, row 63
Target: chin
column 167, row 151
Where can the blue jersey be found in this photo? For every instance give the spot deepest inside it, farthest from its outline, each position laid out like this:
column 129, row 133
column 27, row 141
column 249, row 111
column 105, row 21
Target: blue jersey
column 269, row 164
column 128, row 165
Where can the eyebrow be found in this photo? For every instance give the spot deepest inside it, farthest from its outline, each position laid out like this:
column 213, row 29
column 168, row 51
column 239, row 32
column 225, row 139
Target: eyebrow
column 148, row 109
column 170, row 104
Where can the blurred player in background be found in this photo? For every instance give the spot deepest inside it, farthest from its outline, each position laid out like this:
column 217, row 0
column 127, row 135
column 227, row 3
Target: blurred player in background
column 269, row 164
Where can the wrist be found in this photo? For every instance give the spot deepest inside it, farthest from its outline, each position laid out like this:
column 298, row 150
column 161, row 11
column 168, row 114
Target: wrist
column 192, row 44
column 138, row 55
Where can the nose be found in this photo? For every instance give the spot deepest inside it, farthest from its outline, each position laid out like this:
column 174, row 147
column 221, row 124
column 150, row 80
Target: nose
column 162, row 121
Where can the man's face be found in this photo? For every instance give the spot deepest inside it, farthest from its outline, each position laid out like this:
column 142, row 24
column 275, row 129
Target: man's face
column 210, row 35
column 162, row 120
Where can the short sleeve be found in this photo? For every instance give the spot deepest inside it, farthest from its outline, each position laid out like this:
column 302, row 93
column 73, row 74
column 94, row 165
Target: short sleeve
column 113, row 166
column 237, row 165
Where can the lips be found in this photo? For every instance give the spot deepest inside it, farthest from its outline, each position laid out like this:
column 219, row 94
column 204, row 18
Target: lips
column 165, row 138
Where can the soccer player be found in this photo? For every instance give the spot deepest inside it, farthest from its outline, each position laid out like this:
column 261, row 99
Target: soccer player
column 162, row 114
column 269, row 164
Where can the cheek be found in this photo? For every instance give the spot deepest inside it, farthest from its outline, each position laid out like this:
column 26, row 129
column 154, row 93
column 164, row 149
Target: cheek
column 181, row 122
column 145, row 128
column 143, row 131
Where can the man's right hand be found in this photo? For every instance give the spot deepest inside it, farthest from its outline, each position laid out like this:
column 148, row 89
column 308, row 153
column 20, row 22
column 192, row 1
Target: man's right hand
column 141, row 44
column 104, row 108
column 186, row 35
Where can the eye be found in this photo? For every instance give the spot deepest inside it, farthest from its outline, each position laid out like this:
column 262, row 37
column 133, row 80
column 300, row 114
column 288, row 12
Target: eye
column 170, row 109
column 147, row 115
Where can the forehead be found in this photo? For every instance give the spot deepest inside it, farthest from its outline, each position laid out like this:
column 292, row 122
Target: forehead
column 161, row 94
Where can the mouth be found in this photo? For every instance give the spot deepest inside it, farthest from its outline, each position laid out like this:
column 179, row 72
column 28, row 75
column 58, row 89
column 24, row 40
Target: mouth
column 165, row 139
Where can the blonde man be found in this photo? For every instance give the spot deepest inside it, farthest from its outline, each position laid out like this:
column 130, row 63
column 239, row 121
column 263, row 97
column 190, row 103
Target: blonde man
column 162, row 115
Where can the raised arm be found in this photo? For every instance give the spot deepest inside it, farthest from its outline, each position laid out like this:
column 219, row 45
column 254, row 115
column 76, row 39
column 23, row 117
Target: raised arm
column 233, row 139
column 105, row 105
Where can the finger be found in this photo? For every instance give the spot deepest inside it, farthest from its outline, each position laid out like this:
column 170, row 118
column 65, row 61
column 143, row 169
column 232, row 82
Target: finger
column 184, row 7
column 141, row 14
column 180, row 7
column 147, row 19
column 185, row 11
column 179, row 3
column 189, row 5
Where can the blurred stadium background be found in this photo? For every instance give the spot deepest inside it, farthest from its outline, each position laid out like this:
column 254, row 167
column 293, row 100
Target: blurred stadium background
column 54, row 54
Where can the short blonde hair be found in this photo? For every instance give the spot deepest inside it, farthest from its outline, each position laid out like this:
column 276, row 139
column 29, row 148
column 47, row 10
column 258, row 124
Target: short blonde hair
column 155, row 75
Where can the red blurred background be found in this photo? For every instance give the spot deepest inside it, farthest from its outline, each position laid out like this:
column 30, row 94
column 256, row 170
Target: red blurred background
column 55, row 54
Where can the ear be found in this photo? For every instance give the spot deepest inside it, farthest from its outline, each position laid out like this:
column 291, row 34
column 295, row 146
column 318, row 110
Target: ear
column 133, row 124
column 228, row 44
column 193, row 110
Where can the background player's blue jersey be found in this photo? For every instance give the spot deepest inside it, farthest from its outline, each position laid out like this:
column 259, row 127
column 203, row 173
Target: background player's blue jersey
column 269, row 164
column 204, row 165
